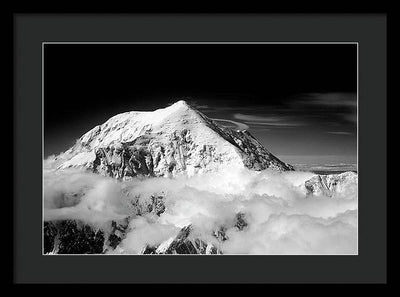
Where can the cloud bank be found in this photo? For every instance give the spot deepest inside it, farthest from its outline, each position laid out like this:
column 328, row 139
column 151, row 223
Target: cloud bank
column 281, row 218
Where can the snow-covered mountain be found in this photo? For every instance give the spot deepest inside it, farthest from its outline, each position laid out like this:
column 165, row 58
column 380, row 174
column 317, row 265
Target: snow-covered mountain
column 166, row 142
column 332, row 184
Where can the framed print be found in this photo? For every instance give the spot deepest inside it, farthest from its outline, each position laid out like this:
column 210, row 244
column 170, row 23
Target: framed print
column 223, row 142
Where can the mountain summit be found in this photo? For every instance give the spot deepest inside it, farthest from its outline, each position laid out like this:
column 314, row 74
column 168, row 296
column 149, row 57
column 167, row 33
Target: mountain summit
column 166, row 142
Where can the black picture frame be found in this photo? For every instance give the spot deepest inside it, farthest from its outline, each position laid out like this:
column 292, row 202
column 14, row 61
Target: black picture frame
column 368, row 30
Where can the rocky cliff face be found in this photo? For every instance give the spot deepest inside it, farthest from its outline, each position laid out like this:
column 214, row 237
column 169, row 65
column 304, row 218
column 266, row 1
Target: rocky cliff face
column 166, row 142
column 77, row 237
column 183, row 243
column 186, row 242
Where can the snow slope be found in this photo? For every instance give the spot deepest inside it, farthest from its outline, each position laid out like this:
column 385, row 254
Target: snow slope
column 166, row 142
column 331, row 185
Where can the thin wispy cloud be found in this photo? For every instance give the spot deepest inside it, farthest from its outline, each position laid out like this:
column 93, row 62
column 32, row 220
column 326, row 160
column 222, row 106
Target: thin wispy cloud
column 350, row 117
column 276, row 124
column 202, row 106
column 240, row 126
column 339, row 132
column 340, row 105
column 328, row 99
column 247, row 117
column 275, row 121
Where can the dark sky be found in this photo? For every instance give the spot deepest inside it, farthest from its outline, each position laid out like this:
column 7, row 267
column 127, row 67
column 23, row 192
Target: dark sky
column 299, row 100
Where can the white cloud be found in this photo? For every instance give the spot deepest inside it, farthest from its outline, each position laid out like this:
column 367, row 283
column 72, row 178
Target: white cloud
column 281, row 219
column 296, row 234
column 144, row 232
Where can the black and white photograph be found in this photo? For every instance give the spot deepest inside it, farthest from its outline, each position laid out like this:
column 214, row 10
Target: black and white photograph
column 204, row 148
